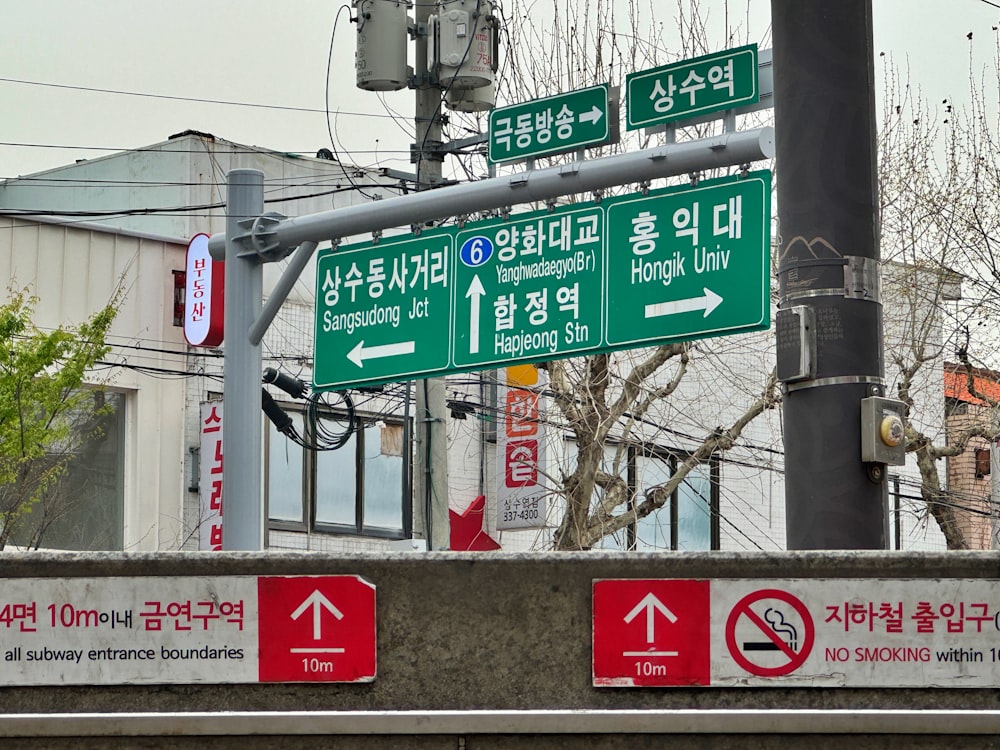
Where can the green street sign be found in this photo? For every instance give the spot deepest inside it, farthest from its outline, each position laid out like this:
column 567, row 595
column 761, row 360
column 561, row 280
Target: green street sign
column 529, row 288
column 691, row 263
column 552, row 125
column 710, row 83
column 382, row 310
column 637, row 270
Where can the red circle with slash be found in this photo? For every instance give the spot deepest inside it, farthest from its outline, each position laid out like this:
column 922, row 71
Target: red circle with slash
column 795, row 658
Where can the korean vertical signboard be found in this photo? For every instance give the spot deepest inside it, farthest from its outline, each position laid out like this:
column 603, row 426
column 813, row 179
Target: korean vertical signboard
column 521, row 493
column 210, row 477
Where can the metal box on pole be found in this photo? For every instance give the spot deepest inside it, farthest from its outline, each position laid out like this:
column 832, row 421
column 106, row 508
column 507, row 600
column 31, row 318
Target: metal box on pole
column 380, row 56
column 465, row 44
column 481, row 99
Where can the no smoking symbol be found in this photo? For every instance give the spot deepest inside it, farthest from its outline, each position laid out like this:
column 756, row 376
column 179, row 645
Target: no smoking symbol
column 771, row 621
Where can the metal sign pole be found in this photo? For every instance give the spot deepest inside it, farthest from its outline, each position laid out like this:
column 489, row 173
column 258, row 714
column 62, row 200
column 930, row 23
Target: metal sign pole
column 243, row 501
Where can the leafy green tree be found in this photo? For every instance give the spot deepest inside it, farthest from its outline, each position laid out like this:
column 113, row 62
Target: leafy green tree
column 46, row 417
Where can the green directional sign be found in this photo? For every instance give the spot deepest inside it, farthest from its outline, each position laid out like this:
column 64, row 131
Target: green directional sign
column 549, row 126
column 691, row 263
column 382, row 310
column 637, row 270
column 529, row 288
column 697, row 86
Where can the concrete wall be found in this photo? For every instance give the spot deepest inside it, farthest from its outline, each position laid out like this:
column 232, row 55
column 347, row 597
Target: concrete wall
column 497, row 631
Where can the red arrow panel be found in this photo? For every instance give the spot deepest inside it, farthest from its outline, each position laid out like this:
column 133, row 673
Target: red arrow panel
column 316, row 629
column 651, row 632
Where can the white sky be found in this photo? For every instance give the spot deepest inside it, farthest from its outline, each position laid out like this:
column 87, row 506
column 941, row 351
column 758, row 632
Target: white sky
column 264, row 52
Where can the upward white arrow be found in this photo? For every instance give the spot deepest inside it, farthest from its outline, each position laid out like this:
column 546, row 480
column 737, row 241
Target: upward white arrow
column 650, row 605
column 318, row 602
column 474, row 294
column 594, row 115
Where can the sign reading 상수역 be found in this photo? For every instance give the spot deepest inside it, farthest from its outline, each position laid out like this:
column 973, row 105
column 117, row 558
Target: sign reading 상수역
column 803, row 632
column 700, row 85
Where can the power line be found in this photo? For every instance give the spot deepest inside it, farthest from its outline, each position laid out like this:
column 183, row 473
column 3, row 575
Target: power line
column 169, row 97
column 171, row 210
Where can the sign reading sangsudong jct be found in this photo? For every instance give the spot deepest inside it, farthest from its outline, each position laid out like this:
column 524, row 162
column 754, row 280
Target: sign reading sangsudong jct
column 804, row 632
column 236, row 629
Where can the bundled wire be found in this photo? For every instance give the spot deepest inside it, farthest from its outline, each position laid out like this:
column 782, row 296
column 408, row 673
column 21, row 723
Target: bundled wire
column 330, row 417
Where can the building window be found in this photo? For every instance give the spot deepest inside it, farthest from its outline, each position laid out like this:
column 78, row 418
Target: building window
column 84, row 508
column 688, row 521
column 356, row 489
column 982, row 463
column 180, row 283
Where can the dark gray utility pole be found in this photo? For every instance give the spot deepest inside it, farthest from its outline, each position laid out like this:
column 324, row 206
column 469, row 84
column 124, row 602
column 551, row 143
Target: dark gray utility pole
column 430, row 466
column 829, row 323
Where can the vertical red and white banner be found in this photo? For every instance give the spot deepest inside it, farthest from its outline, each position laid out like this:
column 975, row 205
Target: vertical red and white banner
column 521, row 492
column 204, row 295
column 210, row 476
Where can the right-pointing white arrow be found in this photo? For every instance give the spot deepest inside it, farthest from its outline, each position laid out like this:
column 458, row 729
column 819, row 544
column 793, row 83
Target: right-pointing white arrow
column 650, row 605
column 707, row 302
column 594, row 115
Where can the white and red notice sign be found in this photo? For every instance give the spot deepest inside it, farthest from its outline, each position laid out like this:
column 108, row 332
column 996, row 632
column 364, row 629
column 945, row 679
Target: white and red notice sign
column 801, row 632
column 104, row 631
column 210, row 477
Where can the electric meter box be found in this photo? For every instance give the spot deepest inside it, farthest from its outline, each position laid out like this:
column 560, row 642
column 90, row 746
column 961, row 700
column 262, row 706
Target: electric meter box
column 380, row 56
column 883, row 431
column 465, row 46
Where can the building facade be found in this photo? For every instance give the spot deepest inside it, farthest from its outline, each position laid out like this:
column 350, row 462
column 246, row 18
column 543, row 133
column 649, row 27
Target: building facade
column 136, row 211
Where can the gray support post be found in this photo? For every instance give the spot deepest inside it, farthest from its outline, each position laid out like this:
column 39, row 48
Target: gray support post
column 725, row 150
column 242, row 497
column 281, row 290
column 430, row 475
column 828, row 268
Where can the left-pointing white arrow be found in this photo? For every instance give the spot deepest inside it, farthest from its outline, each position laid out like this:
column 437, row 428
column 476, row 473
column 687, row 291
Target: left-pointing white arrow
column 594, row 115
column 318, row 603
column 360, row 353
column 707, row 302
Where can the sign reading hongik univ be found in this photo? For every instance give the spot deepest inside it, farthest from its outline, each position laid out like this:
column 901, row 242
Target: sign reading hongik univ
column 157, row 630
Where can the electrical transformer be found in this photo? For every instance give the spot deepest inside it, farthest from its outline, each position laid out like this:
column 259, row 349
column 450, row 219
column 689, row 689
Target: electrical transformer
column 471, row 100
column 466, row 48
column 380, row 56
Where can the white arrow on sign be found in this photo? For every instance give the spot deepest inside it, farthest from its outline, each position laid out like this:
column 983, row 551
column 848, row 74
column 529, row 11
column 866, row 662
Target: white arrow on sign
column 360, row 353
column 594, row 115
column 707, row 302
column 474, row 294
column 650, row 605
column 318, row 602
